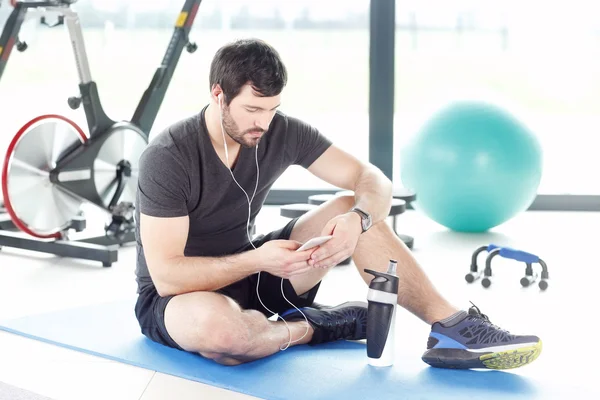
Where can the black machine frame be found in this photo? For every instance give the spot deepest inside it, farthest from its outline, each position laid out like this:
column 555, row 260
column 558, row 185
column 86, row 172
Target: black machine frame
column 103, row 248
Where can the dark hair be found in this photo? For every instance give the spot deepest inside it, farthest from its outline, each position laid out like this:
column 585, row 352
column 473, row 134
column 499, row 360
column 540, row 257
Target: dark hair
column 248, row 61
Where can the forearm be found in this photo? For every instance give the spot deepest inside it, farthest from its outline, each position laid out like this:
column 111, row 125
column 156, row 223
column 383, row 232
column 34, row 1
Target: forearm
column 373, row 193
column 192, row 274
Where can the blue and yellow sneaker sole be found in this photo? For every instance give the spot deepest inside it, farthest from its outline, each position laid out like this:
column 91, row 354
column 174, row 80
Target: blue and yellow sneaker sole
column 503, row 357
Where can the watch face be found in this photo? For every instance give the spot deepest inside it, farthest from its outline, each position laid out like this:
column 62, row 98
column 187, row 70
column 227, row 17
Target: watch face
column 365, row 219
column 367, row 223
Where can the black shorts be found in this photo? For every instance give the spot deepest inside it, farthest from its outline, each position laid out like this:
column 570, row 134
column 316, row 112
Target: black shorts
column 150, row 307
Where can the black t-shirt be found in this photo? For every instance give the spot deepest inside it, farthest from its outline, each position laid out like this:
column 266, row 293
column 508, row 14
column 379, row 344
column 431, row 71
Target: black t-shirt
column 180, row 173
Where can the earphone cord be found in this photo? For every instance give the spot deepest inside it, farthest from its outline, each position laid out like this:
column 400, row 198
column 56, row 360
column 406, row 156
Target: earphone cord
column 250, row 240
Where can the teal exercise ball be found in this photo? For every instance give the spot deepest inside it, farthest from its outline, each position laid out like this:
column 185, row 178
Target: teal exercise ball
column 473, row 166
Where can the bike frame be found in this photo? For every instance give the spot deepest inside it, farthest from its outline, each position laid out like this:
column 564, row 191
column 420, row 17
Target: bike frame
column 98, row 122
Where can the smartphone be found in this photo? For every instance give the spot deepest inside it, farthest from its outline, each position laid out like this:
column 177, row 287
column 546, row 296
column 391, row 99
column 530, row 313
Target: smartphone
column 314, row 242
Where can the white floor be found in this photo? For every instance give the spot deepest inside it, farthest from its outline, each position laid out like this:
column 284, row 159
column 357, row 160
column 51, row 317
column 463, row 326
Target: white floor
column 32, row 283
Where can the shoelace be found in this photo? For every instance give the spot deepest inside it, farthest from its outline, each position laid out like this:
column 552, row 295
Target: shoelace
column 342, row 328
column 484, row 318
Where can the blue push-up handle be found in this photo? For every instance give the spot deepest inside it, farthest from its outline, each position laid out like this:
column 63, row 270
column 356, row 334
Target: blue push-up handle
column 513, row 254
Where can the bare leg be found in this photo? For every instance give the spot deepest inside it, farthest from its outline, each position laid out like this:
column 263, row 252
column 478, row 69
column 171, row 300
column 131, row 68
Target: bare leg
column 416, row 293
column 216, row 327
column 374, row 250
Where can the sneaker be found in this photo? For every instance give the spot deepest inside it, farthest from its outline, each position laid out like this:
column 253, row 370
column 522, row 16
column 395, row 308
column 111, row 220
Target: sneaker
column 346, row 321
column 470, row 340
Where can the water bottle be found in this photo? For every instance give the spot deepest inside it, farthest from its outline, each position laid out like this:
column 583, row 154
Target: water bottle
column 381, row 320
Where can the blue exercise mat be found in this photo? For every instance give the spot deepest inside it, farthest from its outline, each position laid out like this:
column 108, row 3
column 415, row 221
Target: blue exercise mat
column 333, row 370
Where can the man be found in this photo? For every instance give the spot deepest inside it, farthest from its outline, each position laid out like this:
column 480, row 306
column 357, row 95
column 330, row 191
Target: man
column 205, row 288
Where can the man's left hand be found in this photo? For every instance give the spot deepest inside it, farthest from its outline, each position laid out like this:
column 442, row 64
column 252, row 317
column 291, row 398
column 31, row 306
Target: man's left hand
column 345, row 229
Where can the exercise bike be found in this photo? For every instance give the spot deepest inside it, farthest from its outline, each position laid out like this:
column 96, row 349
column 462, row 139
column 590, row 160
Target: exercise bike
column 52, row 167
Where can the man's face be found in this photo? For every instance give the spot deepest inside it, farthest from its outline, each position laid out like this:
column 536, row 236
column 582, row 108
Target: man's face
column 248, row 116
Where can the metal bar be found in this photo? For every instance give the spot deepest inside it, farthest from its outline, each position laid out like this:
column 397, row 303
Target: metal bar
column 62, row 248
column 38, row 4
column 105, row 240
column 282, row 196
column 566, row 202
column 78, row 43
column 543, row 202
column 10, row 33
column 98, row 121
column 151, row 101
column 381, row 85
column 6, row 223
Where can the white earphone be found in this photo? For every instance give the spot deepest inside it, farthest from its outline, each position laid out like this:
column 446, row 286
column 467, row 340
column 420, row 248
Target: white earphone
column 220, row 98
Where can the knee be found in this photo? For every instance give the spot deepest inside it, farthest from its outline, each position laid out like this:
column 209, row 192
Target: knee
column 236, row 337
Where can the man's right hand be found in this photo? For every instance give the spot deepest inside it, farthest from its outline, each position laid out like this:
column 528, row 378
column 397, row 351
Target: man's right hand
column 280, row 258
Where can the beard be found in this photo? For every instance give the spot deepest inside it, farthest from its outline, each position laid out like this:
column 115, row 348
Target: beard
column 233, row 131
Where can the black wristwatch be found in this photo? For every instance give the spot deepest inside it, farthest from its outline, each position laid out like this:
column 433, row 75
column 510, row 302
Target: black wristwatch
column 366, row 220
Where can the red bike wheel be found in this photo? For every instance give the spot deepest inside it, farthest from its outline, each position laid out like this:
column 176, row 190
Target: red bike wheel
column 36, row 205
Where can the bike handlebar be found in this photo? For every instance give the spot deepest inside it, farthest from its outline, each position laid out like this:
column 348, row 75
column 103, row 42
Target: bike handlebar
column 45, row 3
